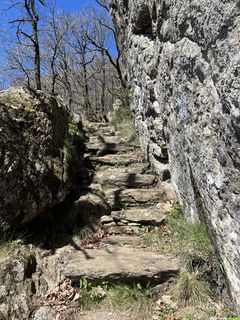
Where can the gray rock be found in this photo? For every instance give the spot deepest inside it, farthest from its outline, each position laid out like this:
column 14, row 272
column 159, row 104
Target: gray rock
column 102, row 148
column 148, row 215
column 121, row 177
column 45, row 313
column 118, row 159
column 183, row 66
column 118, row 264
column 106, row 219
column 92, row 204
column 119, row 230
column 119, row 198
column 122, row 240
column 16, row 284
column 37, row 154
column 99, row 128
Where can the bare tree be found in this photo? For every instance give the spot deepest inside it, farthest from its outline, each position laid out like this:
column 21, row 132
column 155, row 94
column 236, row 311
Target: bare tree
column 76, row 59
column 104, row 22
column 84, row 55
column 56, row 29
column 30, row 17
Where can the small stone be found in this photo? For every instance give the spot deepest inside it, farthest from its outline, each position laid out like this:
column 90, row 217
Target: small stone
column 110, row 224
column 124, row 221
column 106, row 219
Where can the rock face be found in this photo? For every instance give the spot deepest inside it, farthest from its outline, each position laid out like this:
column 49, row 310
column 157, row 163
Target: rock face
column 16, row 285
column 38, row 157
column 183, row 66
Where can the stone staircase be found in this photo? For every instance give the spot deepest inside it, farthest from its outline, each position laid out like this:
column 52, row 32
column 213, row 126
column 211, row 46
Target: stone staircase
column 123, row 195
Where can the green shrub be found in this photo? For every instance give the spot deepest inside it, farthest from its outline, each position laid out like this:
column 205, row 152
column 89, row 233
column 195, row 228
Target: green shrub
column 90, row 295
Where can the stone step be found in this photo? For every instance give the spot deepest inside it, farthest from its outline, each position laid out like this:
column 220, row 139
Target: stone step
column 123, row 177
column 119, row 264
column 97, row 127
column 105, row 139
column 102, row 149
column 121, row 198
column 136, row 168
column 121, row 230
column 118, row 159
column 122, row 240
column 151, row 215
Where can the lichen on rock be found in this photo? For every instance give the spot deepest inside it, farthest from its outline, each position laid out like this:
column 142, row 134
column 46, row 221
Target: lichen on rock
column 38, row 154
column 183, row 68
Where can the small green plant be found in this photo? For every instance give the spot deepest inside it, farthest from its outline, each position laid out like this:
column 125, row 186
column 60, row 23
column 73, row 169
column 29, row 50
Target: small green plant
column 183, row 237
column 122, row 121
column 9, row 243
column 189, row 289
column 122, row 114
column 90, row 295
column 189, row 233
column 136, row 298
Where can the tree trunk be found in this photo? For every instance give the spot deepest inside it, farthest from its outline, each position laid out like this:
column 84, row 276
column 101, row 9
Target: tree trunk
column 37, row 62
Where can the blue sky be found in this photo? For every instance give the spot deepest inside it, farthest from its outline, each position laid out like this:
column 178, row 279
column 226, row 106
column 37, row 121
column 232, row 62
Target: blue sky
column 6, row 15
column 72, row 5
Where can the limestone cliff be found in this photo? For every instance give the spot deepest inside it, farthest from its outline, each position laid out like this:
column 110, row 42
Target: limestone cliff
column 38, row 154
column 183, row 62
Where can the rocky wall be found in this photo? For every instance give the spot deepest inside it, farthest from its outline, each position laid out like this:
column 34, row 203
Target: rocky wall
column 183, row 65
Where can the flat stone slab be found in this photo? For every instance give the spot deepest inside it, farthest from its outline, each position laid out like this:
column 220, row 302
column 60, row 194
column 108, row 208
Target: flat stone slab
column 118, row 159
column 98, row 127
column 102, row 148
column 122, row 240
column 120, row 264
column 150, row 215
column 123, row 177
column 105, row 139
column 118, row 198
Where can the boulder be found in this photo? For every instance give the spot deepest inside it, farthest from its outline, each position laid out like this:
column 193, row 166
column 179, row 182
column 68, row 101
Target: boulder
column 40, row 153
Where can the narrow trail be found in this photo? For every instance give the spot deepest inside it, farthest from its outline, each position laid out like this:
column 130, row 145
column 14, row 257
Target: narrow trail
column 122, row 196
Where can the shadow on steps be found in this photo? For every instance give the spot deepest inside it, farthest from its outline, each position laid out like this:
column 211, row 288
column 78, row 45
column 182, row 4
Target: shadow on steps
column 79, row 214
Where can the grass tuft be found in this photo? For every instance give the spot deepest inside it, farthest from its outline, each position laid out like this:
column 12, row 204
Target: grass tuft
column 9, row 243
column 189, row 289
column 194, row 235
column 123, row 123
column 181, row 237
column 135, row 299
